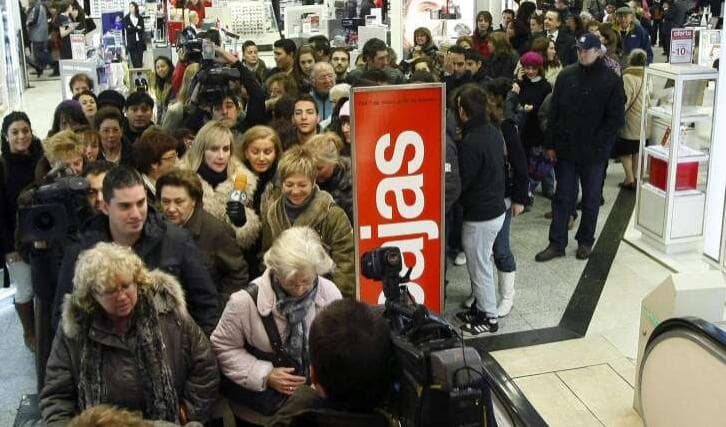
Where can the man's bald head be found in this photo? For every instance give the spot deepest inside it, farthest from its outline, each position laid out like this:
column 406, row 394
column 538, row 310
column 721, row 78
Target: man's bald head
column 322, row 77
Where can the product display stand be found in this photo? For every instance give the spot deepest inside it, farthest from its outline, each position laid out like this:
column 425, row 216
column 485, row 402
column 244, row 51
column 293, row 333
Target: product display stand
column 674, row 158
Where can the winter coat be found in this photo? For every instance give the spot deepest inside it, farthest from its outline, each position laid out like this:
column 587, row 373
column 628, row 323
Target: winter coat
column 452, row 183
column 220, row 252
column 565, row 47
column 481, row 163
column 37, row 23
column 636, row 37
column 532, row 93
column 215, row 202
column 501, row 66
column 241, row 325
column 307, row 407
column 586, row 112
column 188, row 352
column 134, row 34
column 481, row 44
column 340, row 186
column 162, row 245
column 328, row 220
column 16, row 173
column 633, row 86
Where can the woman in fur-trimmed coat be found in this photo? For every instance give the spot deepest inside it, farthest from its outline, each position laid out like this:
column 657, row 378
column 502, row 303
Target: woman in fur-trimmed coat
column 126, row 339
column 211, row 157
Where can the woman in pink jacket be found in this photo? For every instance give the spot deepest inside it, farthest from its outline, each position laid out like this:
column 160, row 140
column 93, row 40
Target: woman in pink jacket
column 261, row 339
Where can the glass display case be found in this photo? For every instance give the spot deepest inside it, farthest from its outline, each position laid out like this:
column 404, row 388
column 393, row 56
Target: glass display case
column 675, row 142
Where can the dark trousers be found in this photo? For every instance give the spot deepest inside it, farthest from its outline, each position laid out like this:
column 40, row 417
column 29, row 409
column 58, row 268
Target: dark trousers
column 454, row 220
column 590, row 177
column 137, row 57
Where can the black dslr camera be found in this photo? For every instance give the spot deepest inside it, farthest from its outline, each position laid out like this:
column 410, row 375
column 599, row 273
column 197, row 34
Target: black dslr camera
column 57, row 208
column 440, row 381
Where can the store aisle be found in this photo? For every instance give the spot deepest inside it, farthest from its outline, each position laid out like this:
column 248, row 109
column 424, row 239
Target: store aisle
column 39, row 103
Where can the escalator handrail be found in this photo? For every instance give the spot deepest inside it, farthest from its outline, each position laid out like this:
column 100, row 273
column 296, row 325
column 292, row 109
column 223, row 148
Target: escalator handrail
column 694, row 324
column 518, row 407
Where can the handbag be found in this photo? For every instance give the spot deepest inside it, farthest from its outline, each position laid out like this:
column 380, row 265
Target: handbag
column 268, row 401
column 538, row 165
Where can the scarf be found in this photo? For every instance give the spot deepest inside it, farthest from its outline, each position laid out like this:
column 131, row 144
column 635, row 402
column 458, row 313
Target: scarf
column 160, row 398
column 294, row 309
column 293, row 211
column 212, row 177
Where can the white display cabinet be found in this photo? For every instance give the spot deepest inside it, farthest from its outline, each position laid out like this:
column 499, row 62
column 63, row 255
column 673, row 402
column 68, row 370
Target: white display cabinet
column 675, row 142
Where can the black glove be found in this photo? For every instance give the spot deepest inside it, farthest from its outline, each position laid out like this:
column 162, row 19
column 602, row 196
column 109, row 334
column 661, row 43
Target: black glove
column 236, row 213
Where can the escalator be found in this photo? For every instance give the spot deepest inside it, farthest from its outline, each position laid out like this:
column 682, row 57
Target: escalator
column 682, row 379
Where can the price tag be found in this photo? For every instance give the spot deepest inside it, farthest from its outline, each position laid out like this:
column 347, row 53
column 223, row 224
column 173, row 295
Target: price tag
column 681, row 46
column 78, row 47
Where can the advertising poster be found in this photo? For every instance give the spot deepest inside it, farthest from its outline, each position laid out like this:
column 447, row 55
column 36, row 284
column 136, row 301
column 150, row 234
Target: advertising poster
column 709, row 47
column 398, row 134
column 681, row 46
column 71, row 67
column 427, row 13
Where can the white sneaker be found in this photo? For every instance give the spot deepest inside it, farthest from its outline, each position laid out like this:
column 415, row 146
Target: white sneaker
column 460, row 259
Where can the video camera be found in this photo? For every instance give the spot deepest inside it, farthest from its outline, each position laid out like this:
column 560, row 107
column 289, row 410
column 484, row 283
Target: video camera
column 57, row 208
column 213, row 79
column 436, row 386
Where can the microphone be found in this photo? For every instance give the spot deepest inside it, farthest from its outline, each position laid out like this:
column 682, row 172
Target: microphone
column 239, row 195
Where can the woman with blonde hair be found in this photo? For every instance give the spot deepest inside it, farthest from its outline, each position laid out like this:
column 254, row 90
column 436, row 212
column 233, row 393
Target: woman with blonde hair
column 301, row 203
column 174, row 116
column 627, row 144
column 126, row 338
column 262, row 370
column 259, row 150
column 210, row 156
column 334, row 171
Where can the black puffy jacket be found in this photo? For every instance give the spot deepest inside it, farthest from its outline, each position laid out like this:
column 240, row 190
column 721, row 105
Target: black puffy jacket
column 162, row 245
column 587, row 110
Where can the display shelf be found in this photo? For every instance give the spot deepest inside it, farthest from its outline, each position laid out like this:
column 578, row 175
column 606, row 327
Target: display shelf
column 689, row 114
column 673, row 172
column 685, row 154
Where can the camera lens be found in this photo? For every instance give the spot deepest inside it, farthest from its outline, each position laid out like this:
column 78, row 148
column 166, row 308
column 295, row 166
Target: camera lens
column 44, row 221
column 392, row 258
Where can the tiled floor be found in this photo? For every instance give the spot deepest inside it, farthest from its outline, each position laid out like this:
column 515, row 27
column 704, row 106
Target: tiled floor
column 542, row 289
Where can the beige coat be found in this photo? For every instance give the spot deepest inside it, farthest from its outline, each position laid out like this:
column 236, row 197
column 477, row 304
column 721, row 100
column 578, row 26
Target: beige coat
column 633, row 85
column 215, row 202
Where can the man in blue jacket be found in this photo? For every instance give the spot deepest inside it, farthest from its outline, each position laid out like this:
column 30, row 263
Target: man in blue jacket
column 632, row 34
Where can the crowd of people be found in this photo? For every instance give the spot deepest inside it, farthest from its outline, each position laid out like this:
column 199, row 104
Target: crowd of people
column 215, row 251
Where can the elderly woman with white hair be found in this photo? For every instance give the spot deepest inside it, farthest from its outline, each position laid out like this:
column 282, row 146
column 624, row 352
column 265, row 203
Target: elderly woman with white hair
column 261, row 340
column 210, row 156
column 126, row 339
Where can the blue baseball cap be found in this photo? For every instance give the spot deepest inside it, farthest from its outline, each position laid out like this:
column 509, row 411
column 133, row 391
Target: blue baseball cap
column 589, row 41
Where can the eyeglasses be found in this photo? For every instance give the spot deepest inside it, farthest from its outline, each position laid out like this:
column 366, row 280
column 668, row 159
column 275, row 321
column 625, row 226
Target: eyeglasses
column 113, row 293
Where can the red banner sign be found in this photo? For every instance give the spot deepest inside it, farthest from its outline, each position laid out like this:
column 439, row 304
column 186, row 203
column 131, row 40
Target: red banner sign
column 398, row 155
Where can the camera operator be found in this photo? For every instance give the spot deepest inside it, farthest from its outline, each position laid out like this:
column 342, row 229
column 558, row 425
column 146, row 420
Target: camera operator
column 350, row 352
column 220, row 71
column 129, row 221
column 64, row 152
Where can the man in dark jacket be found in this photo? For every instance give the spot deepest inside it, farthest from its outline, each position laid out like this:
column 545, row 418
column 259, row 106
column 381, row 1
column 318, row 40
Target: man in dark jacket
column 632, row 34
column 481, row 164
column 586, row 111
column 564, row 41
column 129, row 221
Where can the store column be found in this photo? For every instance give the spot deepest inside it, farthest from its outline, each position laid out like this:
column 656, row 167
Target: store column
column 714, row 237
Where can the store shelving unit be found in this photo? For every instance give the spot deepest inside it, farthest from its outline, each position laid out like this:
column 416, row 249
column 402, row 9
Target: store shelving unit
column 677, row 123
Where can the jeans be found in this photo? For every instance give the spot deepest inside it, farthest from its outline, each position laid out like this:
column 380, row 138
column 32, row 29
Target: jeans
column 548, row 183
column 454, row 218
column 41, row 55
column 591, row 179
column 503, row 256
column 478, row 241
